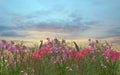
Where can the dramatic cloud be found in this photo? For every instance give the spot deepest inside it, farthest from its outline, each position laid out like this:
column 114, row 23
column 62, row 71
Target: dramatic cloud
column 9, row 33
column 6, row 28
column 35, row 19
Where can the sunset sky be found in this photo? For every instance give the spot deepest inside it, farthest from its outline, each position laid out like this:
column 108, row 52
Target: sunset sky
column 69, row 19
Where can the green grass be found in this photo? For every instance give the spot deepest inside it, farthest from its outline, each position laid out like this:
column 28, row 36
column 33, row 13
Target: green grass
column 56, row 64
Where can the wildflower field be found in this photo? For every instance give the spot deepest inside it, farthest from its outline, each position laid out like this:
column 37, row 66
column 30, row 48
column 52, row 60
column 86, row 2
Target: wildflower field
column 57, row 57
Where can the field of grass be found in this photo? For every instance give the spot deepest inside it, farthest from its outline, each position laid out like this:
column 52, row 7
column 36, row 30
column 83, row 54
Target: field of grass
column 59, row 57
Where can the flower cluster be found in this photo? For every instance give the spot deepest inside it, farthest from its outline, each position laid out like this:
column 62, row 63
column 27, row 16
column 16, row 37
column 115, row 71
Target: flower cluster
column 55, row 46
column 111, row 54
column 40, row 52
column 64, row 53
column 12, row 47
column 12, row 52
column 83, row 52
column 59, row 55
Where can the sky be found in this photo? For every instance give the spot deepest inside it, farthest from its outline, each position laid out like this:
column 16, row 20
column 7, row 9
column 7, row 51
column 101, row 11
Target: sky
column 68, row 19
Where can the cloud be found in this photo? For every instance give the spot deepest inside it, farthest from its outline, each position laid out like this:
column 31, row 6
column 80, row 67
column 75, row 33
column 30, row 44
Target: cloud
column 28, row 22
column 72, row 26
column 13, row 34
column 53, row 27
column 5, row 28
column 115, row 30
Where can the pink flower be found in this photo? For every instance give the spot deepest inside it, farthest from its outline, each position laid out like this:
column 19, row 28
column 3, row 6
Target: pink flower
column 83, row 53
column 25, row 73
column 80, row 54
column 111, row 54
column 72, row 53
column 41, row 52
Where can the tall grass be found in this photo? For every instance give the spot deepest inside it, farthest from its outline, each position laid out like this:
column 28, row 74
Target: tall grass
column 56, row 57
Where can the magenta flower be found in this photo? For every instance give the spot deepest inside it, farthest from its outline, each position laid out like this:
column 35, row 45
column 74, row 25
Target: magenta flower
column 41, row 52
column 111, row 54
column 25, row 73
column 82, row 53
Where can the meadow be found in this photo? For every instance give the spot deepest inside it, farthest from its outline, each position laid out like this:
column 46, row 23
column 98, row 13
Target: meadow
column 59, row 57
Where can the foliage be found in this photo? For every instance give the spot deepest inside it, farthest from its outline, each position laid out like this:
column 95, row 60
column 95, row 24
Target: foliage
column 56, row 57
